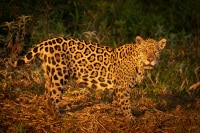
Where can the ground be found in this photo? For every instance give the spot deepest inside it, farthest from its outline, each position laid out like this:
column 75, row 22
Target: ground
column 22, row 109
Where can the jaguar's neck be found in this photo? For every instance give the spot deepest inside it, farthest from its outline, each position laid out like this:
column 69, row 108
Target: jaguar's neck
column 126, row 51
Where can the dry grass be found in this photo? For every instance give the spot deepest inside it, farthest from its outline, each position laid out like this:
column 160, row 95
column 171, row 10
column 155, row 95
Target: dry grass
column 26, row 113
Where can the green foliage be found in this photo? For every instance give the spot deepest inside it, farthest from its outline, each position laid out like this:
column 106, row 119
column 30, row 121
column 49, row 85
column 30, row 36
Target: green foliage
column 16, row 34
column 20, row 129
column 114, row 21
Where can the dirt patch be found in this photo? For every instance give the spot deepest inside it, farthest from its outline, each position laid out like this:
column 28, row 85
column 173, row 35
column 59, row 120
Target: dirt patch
column 27, row 113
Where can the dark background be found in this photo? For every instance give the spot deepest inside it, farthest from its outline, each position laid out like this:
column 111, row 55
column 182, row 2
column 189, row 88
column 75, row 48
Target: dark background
column 115, row 22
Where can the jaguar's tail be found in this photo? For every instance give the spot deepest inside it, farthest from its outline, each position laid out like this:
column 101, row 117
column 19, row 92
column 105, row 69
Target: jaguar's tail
column 38, row 50
column 26, row 58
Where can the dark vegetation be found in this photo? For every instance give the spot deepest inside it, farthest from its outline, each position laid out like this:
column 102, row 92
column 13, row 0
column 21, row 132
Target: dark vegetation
column 168, row 100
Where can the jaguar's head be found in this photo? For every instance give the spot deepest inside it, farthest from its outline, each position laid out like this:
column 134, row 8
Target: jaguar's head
column 150, row 50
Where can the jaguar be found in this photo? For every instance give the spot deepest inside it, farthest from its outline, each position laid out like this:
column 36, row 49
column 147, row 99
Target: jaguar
column 93, row 66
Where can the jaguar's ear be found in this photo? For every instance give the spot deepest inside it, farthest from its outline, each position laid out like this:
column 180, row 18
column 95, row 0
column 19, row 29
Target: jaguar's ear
column 139, row 40
column 162, row 43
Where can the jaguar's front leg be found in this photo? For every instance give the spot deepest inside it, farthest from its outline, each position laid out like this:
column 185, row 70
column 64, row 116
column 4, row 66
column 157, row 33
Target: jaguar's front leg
column 121, row 101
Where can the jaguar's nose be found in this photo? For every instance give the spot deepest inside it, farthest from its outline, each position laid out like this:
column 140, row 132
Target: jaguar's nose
column 150, row 59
